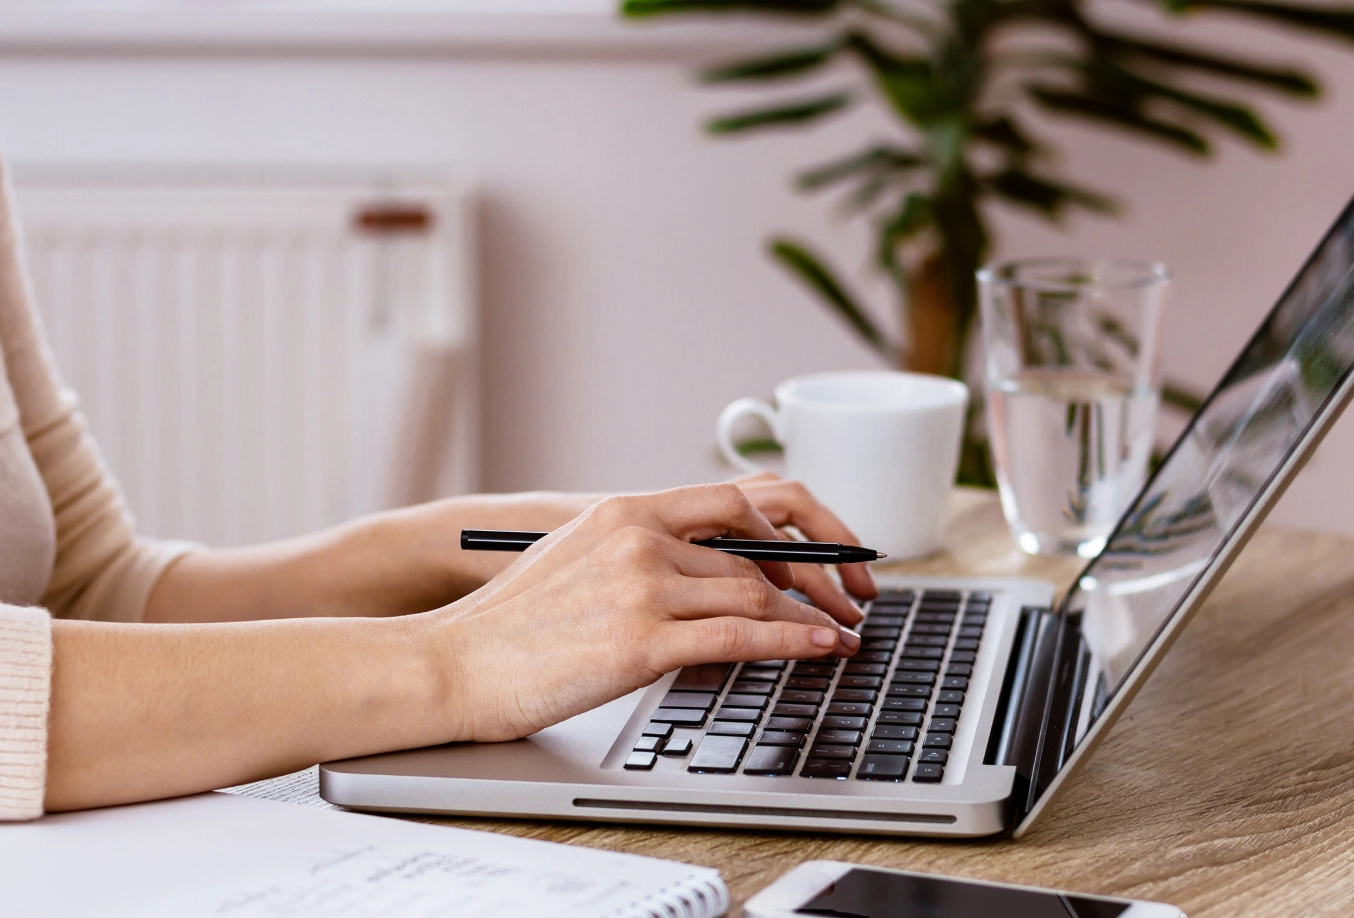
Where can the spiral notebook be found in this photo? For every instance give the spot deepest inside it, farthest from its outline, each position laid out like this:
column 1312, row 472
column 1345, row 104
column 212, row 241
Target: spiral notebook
column 239, row 857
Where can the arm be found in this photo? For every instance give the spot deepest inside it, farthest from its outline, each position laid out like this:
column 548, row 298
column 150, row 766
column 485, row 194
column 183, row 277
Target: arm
column 146, row 711
column 410, row 560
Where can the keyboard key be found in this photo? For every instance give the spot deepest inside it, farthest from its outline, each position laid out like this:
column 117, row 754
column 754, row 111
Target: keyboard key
column 798, row 697
column 718, row 754
column 707, row 677
column 731, row 728
column 864, row 682
column 950, row 697
column 743, row 715
column 930, row 628
column 912, row 676
column 936, row 618
column 782, row 738
column 684, row 717
column 882, row 768
column 866, row 669
column 746, row 701
column 959, row 669
column 981, row 596
column 759, row 675
column 921, row 666
column 873, row 656
column 753, row 688
column 941, row 596
column 926, row 773
column 825, row 768
column 649, row 744
column 885, row 620
column 924, row 653
column 837, row 722
column 894, row 732
column 771, row 760
column 849, row 709
column 890, row 747
column 767, row 664
column 963, row 656
column 703, row 700
column 795, row 710
column 843, row 753
column 679, row 747
column 877, row 644
column 975, row 619
column 869, row 633
column 941, row 725
column 803, row 682
column 866, row 696
column 911, row 691
column 899, row 719
column 640, row 761
column 903, row 704
column 658, row 729
column 938, row 741
column 934, row 756
column 966, row 644
column 821, row 670
column 954, row 683
column 839, row 737
column 970, row 632
column 946, row 710
column 927, row 640
column 796, row 724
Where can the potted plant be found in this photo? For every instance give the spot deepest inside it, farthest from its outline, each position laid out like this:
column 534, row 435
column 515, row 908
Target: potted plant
column 957, row 75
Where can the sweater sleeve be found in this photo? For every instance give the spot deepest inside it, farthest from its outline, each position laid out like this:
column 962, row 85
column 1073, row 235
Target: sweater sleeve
column 103, row 571
column 25, row 691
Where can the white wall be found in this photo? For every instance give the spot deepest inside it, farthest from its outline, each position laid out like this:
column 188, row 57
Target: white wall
column 626, row 299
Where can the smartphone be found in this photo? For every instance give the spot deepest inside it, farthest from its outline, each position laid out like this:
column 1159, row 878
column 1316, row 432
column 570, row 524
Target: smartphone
column 850, row 891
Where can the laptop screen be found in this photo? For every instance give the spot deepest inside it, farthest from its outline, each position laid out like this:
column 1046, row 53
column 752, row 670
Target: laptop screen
column 1215, row 473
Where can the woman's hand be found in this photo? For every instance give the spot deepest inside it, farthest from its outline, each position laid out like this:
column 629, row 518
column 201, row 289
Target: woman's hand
column 612, row 601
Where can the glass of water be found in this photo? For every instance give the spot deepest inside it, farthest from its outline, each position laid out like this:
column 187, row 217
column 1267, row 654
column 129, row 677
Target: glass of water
column 1071, row 353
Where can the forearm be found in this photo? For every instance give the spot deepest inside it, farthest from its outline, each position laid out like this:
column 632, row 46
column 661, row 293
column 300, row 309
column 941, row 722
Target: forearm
column 147, row 711
column 391, row 563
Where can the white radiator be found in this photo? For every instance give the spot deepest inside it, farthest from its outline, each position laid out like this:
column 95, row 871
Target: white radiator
column 262, row 353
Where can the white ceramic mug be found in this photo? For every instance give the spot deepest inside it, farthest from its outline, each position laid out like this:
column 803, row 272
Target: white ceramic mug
column 879, row 448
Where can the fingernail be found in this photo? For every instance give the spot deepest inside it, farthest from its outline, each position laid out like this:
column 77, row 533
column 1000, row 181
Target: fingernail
column 821, row 637
column 850, row 639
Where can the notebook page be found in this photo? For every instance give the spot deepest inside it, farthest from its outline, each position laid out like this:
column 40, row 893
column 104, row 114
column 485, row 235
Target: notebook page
column 238, row 857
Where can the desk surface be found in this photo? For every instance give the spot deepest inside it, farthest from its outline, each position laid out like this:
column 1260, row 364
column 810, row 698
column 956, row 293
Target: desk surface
column 1226, row 789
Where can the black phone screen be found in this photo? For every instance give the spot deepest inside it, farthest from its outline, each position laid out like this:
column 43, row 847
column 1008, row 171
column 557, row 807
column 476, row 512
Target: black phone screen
column 876, row 894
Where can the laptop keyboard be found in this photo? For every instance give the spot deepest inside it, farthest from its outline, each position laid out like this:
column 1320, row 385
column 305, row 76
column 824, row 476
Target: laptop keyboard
column 828, row 718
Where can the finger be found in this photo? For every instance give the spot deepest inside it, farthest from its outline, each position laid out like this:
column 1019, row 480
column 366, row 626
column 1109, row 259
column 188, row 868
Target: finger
column 789, row 503
column 733, row 639
column 708, row 511
column 692, row 560
column 754, row 599
column 825, row 593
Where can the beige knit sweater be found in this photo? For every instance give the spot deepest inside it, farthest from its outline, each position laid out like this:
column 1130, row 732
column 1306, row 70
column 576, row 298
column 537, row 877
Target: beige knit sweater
column 67, row 543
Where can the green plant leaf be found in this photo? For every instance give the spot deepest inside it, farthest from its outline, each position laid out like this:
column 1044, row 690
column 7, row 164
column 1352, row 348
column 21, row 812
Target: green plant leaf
column 908, row 83
column 880, row 159
column 1074, row 103
column 786, row 63
column 914, row 216
column 1237, row 118
column 794, row 113
column 1048, row 197
column 640, row 8
column 1334, row 20
column 1004, row 132
column 1293, row 82
column 811, row 270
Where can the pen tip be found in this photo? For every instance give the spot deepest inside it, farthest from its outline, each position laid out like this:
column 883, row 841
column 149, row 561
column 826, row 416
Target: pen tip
column 879, row 555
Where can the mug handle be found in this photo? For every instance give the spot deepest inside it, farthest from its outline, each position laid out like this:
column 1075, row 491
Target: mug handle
column 730, row 416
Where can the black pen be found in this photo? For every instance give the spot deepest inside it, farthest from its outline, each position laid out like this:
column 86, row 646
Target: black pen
column 752, row 549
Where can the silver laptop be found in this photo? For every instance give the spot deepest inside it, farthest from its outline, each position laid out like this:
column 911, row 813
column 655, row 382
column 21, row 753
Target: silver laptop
column 972, row 702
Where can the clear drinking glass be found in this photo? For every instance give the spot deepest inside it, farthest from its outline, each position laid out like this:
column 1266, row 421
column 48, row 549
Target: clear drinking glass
column 1071, row 350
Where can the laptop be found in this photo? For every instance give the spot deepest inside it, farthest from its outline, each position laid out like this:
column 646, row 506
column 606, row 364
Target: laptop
column 972, row 702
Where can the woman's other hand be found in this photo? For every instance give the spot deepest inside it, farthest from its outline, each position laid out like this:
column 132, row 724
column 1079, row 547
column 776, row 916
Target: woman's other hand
column 789, row 503
column 612, row 601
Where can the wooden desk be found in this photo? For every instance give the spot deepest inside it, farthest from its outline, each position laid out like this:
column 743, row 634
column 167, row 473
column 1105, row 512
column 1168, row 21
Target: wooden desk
column 1226, row 789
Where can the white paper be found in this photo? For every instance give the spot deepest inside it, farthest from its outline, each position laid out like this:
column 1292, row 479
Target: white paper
column 228, row 856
